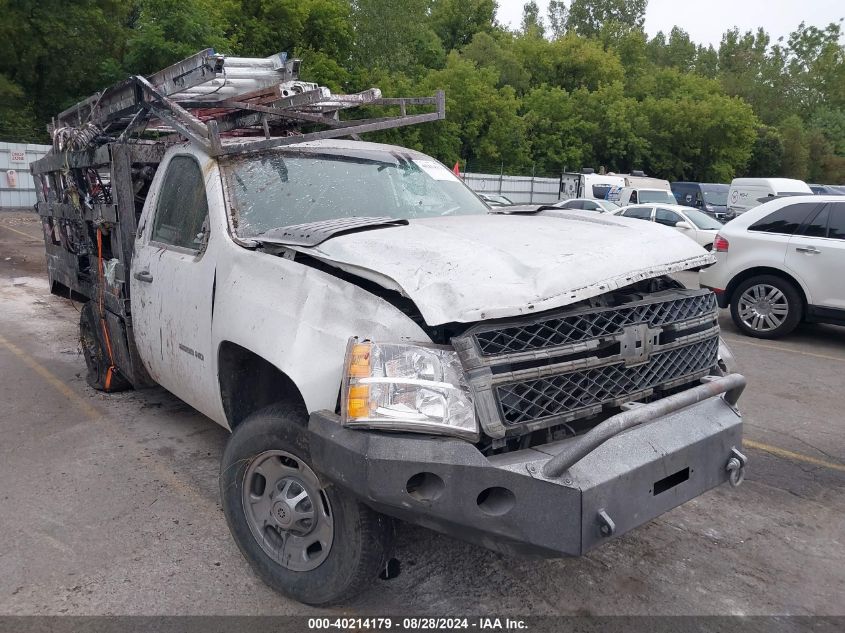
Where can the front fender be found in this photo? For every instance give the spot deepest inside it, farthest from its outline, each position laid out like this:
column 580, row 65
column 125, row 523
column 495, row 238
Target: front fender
column 300, row 319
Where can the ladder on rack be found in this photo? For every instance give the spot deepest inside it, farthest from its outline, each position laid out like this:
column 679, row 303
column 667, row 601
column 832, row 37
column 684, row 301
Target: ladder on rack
column 210, row 94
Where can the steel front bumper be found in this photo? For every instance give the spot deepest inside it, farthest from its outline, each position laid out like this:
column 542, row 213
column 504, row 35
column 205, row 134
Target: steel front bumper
column 523, row 501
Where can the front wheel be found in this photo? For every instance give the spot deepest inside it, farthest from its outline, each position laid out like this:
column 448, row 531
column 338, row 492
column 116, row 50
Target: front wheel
column 766, row 307
column 303, row 537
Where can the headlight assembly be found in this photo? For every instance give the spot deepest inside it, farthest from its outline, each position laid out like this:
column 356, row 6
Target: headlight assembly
column 406, row 387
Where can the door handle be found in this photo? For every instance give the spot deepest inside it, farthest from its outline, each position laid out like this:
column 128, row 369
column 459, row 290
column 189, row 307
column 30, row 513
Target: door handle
column 812, row 250
column 143, row 275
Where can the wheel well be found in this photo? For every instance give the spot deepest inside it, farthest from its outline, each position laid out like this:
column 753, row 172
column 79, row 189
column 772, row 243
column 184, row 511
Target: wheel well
column 248, row 383
column 763, row 270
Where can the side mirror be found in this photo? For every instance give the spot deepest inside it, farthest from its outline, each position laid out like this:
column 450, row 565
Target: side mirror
column 683, row 225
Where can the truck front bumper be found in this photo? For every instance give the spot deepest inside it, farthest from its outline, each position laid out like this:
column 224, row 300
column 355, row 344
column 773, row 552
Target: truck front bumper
column 507, row 503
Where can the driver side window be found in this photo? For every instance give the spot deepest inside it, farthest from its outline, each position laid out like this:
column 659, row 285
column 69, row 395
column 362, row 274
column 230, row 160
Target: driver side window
column 640, row 213
column 182, row 208
column 667, row 217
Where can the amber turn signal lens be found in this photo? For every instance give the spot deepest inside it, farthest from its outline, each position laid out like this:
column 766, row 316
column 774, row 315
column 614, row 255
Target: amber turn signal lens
column 358, row 401
column 359, row 361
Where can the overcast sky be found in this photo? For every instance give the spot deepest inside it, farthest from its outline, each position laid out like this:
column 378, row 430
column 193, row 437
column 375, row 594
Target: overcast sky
column 706, row 20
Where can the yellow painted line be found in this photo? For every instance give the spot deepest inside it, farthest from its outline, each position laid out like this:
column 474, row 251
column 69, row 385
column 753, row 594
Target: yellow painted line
column 95, row 415
column 778, row 348
column 9, row 228
column 52, row 379
column 799, row 457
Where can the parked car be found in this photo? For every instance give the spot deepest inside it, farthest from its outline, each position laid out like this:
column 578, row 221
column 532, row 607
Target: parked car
column 588, row 204
column 747, row 193
column 712, row 198
column 780, row 264
column 691, row 222
column 495, row 200
column 827, row 190
column 634, row 195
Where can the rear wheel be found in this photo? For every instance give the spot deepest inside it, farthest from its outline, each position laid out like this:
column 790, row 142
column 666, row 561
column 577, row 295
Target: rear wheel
column 304, row 537
column 101, row 375
column 766, row 307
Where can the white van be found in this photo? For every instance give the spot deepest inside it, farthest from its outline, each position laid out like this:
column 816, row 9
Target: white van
column 747, row 193
column 641, row 181
column 640, row 195
column 588, row 185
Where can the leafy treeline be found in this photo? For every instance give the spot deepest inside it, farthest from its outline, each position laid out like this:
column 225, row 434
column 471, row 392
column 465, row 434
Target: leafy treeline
column 580, row 85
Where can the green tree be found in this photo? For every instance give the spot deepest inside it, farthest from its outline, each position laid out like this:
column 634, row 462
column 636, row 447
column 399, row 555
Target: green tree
column 814, row 62
column 485, row 137
column 456, row 22
column 57, row 53
column 166, row 31
column 766, row 154
column 557, row 18
column 587, row 17
column 18, row 123
column 559, row 136
column 570, row 62
column 532, row 23
column 796, row 148
column 258, row 28
column 676, row 52
column 631, row 46
column 830, row 121
column 695, row 131
column 621, row 142
column 749, row 69
column 707, row 62
column 497, row 52
column 395, row 35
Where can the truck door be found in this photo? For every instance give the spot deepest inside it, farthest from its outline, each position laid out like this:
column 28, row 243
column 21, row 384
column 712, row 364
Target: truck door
column 172, row 286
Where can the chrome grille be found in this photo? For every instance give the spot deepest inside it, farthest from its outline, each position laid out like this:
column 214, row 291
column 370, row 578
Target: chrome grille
column 534, row 400
column 535, row 372
column 584, row 326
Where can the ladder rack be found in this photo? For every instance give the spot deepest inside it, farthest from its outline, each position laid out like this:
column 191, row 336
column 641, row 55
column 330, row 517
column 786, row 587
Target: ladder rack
column 210, row 95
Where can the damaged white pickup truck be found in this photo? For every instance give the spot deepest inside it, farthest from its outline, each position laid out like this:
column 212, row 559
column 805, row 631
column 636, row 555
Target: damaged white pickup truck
column 384, row 347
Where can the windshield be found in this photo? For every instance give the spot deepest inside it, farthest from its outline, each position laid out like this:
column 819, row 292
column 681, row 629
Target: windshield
column 282, row 188
column 656, row 195
column 716, row 197
column 702, row 220
column 607, row 205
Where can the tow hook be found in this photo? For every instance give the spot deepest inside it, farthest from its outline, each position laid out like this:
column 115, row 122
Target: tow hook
column 606, row 525
column 736, row 467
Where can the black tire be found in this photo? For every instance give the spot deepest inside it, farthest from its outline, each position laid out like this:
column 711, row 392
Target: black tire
column 362, row 538
column 792, row 301
column 95, row 353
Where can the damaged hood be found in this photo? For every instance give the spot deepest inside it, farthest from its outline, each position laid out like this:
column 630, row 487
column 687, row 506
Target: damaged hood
column 470, row 268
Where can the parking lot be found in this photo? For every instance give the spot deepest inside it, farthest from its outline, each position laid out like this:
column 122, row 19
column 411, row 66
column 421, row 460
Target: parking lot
column 109, row 504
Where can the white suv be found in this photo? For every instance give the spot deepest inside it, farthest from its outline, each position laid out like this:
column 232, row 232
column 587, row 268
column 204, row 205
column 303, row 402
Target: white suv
column 781, row 263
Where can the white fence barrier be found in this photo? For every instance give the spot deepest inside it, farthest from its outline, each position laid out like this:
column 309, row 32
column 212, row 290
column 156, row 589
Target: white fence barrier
column 519, row 189
column 17, row 188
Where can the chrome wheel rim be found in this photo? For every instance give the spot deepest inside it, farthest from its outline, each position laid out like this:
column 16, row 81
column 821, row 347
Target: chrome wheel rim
column 287, row 510
column 763, row 308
